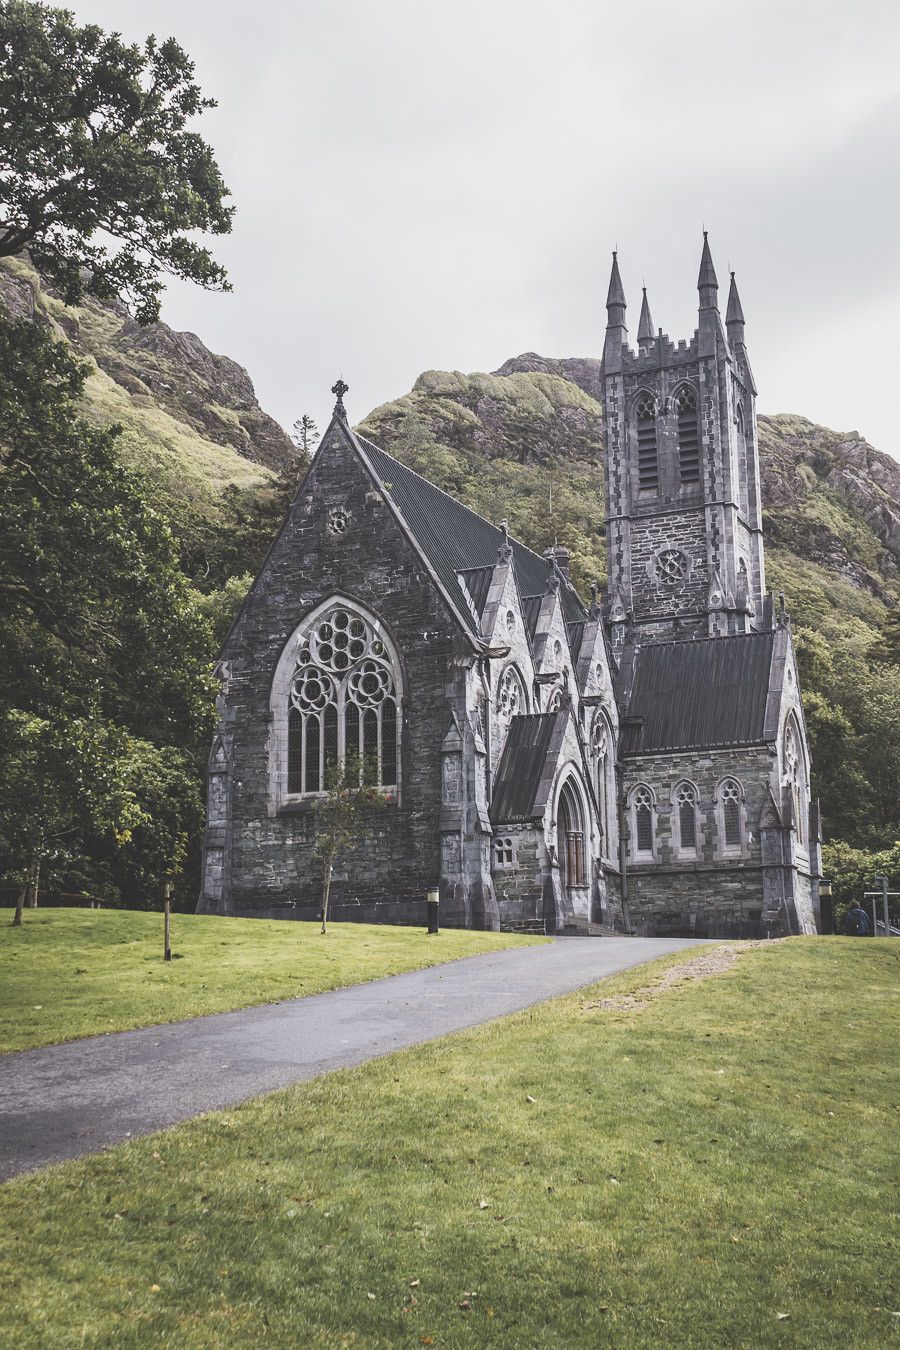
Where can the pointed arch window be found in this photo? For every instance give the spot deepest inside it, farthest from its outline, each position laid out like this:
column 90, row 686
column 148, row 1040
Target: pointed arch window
column 688, row 427
column 647, row 449
column 342, row 695
column 794, row 778
column 604, row 779
column 730, row 803
column 684, row 801
column 643, row 823
column 570, row 838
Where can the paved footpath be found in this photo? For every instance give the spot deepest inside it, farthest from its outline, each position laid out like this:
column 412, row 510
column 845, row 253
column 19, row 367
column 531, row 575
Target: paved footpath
column 68, row 1100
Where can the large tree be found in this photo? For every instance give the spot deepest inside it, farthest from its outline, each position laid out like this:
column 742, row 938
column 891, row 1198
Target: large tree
column 102, row 180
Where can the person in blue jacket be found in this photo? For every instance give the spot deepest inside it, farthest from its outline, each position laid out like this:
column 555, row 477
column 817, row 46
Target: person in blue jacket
column 856, row 921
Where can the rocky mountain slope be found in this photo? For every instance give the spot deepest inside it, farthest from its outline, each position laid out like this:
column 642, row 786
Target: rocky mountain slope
column 190, row 418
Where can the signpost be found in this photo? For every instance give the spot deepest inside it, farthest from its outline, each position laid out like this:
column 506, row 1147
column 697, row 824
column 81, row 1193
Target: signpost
column 882, row 883
column 167, row 911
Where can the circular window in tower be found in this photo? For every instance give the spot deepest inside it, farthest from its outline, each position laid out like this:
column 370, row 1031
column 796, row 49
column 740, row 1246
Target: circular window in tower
column 671, row 566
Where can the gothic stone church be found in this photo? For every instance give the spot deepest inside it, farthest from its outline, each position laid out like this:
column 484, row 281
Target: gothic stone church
column 639, row 762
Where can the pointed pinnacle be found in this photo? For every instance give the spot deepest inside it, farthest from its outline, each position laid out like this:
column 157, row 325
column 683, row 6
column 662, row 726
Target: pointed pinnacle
column 616, row 293
column 707, row 275
column 645, row 327
column 734, row 312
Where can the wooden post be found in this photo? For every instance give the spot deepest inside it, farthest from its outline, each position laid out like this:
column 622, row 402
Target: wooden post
column 167, row 911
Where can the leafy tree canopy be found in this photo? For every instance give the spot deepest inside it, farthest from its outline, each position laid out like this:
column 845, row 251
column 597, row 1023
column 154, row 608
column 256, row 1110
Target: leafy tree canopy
column 101, row 179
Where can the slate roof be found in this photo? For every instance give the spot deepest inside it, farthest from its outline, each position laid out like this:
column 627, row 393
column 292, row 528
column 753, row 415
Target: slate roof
column 531, row 611
column 521, row 767
column 698, row 694
column 455, row 539
column 477, row 581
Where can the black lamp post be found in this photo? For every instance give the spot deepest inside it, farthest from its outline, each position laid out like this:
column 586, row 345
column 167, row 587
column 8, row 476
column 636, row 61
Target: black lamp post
column 826, row 908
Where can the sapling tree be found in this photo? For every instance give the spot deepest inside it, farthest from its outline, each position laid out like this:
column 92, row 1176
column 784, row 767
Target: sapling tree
column 305, row 435
column 343, row 814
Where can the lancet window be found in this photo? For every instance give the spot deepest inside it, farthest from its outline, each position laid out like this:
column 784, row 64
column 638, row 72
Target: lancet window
column 730, row 799
column 343, row 700
column 643, row 831
column 795, row 778
column 604, row 779
column 685, row 804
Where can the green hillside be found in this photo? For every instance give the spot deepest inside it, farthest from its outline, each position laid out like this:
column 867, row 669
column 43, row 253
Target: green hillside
column 190, row 420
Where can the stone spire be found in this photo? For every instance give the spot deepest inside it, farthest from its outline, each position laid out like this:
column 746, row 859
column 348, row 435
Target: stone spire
column 734, row 316
column 615, row 296
column 707, row 282
column 645, row 327
column 616, row 332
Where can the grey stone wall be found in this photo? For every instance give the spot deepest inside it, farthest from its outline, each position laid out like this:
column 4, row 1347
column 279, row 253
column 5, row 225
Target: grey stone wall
column 260, row 861
column 713, row 893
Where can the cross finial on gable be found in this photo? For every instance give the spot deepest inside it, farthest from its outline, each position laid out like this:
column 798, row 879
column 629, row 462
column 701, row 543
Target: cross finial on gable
column 339, row 389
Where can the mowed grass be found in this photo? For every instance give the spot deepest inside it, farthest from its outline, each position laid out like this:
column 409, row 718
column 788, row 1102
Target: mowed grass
column 75, row 972
column 715, row 1170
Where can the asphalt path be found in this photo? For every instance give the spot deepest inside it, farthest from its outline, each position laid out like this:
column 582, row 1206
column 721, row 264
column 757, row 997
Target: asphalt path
column 64, row 1101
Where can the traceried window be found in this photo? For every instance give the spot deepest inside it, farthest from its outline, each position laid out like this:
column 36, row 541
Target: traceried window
column 730, row 797
column 570, row 838
column 685, row 804
column 794, row 778
column 342, row 700
column 647, row 452
column 504, row 852
column 604, row 778
column 688, row 427
column 510, row 694
column 642, row 824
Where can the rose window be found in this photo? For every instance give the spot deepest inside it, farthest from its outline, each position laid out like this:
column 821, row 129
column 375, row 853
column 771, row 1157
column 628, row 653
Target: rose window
column 338, row 520
column 509, row 695
column 671, row 566
column 342, row 703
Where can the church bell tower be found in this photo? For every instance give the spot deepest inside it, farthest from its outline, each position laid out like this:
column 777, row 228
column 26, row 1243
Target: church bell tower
column 683, row 514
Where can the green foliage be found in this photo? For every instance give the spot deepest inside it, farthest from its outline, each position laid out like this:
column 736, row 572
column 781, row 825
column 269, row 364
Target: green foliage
column 105, row 690
column 101, row 179
column 94, row 612
column 852, row 871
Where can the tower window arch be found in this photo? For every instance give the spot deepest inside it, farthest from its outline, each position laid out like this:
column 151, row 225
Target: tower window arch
column 687, row 424
column 686, row 830
column 570, row 838
column 647, row 449
column 642, row 812
column 337, row 695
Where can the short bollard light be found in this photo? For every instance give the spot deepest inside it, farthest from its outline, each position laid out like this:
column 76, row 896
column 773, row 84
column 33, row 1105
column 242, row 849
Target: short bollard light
column 431, row 904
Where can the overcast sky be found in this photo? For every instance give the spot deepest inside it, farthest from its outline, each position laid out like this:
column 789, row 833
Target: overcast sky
column 423, row 185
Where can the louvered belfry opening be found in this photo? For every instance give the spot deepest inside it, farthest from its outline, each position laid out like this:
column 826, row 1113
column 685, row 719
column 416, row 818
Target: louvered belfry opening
column 648, row 452
column 688, row 426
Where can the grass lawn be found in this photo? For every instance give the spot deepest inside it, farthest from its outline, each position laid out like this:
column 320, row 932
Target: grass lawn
column 74, row 972
column 714, row 1169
